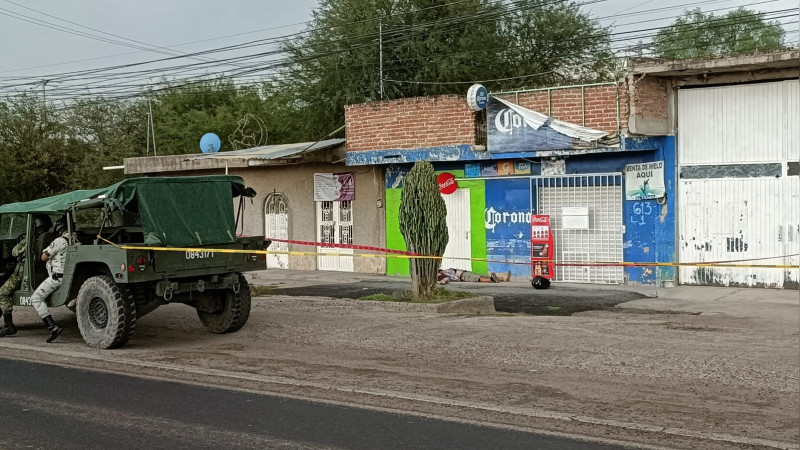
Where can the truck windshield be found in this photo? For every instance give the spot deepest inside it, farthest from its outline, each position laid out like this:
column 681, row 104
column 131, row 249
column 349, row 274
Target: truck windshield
column 12, row 225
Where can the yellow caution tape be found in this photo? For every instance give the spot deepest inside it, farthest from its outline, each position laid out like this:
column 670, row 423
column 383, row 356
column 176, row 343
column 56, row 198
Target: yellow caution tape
column 528, row 263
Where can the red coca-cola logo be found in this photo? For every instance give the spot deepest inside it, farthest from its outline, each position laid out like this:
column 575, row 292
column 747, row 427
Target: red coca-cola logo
column 447, row 183
column 541, row 220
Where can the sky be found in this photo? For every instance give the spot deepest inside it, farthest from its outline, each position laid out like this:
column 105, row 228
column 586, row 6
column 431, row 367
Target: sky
column 26, row 47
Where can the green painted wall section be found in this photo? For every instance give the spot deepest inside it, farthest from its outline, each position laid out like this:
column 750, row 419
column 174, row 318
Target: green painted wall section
column 394, row 240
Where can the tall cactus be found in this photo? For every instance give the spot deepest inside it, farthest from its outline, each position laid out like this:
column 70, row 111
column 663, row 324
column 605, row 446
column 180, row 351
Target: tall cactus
column 423, row 223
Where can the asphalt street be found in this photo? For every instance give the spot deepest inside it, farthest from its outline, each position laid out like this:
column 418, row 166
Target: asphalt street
column 48, row 406
column 508, row 297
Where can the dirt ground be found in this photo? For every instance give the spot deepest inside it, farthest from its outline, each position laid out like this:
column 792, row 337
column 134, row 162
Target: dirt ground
column 666, row 379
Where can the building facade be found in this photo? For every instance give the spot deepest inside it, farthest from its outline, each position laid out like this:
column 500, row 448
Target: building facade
column 504, row 177
column 737, row 122
column 292, row 202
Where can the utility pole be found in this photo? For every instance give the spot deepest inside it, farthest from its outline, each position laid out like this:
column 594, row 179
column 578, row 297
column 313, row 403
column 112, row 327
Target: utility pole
column 152, row 125
column 44, row 100
column 380, row 51
column 44, row 91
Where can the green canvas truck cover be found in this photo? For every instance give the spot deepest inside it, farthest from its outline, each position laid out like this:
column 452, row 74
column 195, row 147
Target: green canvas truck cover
column 175, row 211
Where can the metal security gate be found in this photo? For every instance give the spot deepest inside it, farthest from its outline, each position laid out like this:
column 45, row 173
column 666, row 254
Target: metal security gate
column 586, row 218
column 276, row 225
column 335, row 226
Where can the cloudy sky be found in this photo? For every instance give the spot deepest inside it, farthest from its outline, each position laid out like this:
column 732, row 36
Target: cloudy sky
column 45, row 41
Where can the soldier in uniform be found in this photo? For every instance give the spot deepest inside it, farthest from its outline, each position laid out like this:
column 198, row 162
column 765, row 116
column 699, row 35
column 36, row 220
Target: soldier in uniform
column 13, row 282
column 55, row 255
column 8, row 288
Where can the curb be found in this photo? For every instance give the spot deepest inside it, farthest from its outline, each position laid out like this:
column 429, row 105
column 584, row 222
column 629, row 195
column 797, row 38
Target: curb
column 473, row 305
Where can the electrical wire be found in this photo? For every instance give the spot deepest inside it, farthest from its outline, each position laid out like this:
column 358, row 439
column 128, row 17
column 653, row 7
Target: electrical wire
column 249, row 70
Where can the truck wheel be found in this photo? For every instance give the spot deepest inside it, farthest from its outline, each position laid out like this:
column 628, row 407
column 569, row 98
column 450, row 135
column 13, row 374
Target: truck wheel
column 233, row 315
column 106, row 313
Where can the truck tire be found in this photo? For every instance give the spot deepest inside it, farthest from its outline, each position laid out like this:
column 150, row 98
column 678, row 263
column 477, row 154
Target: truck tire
column 233, row 315
column 106, row 313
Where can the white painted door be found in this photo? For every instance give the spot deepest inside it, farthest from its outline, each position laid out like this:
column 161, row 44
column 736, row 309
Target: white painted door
column 276, row 224
column 459, row 247
column 335, row 226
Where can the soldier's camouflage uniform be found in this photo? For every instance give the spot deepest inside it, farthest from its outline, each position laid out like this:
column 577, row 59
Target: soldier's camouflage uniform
column 12, row 284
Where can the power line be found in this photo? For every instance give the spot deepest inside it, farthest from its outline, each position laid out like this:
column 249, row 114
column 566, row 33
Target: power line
column 279, row 63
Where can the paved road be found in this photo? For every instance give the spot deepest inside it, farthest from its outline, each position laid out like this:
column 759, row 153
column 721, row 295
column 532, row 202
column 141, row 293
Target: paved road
column 508, row 297
column 45, row 406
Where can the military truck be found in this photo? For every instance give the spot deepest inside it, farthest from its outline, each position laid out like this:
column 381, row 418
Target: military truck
column 137, row 245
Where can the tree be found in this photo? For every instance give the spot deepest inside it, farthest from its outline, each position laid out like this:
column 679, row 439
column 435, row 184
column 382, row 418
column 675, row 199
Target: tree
column 36, row 154
column 697, row 34
column 560, row 44
column 104, row 133
column 423, row 224
column 182, row 114
column 432, row 47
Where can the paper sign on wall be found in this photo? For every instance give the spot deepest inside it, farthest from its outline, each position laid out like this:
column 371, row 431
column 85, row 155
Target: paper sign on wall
column 645, row 181
column 334, row 187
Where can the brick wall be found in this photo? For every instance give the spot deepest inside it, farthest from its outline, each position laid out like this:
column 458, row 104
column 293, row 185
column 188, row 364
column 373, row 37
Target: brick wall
column 599, row 103
column 649, row 97
column 409, row 123
column 446, row 120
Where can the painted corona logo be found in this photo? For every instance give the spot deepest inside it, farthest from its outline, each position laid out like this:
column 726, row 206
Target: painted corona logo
column 492, row 218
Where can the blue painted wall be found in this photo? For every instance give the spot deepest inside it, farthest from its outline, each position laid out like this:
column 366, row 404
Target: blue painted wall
column 650, row 227
column 507, row 219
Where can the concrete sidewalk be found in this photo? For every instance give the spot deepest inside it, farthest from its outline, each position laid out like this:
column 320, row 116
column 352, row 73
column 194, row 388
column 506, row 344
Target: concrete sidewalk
column 298, row 278
column 768, row 304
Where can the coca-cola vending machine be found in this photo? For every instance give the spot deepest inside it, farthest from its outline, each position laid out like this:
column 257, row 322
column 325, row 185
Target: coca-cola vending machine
column 542, row 268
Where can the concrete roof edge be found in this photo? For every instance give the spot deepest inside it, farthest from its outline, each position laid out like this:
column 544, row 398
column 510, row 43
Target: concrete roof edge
column 204, row 161
column 721, row 63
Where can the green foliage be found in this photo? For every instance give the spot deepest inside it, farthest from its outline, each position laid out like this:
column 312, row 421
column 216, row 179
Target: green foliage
column 697, row 34
column 182, row 114
column 36, row 154
column 46, row 150
column 423, row 224
column 337, row 62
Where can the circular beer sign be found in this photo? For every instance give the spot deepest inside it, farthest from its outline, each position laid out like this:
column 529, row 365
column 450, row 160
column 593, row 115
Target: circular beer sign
column 447, row 183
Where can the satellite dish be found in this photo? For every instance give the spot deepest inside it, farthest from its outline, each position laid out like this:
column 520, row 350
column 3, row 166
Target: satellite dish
column 209, row 143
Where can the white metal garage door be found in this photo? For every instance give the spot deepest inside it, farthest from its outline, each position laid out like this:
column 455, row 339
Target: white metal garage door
column 598, row 237
column 736, row 195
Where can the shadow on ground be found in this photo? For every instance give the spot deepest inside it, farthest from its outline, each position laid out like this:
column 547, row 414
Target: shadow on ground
column 509, row 298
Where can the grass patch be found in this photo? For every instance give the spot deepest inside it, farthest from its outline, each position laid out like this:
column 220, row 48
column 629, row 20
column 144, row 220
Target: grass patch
column 552, row 308
column 260, row 291
column 378, row 298
column 439, row 295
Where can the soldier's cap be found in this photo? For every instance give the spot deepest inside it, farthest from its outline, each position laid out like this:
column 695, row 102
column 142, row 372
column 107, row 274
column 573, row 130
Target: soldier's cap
column 60, row 227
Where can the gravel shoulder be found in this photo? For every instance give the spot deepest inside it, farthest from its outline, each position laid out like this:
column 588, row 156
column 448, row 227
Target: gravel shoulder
column 673, row 379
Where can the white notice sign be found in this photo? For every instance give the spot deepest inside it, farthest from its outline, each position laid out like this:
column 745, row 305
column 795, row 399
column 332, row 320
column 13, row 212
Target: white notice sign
column 644, row 181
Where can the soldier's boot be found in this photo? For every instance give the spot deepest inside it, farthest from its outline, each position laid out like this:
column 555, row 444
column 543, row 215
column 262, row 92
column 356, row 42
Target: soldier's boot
column 9, row 329
column 52, row 327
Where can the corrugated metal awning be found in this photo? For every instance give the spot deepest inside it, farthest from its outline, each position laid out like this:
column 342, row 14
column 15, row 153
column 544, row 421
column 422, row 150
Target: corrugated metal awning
column 268, row 152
